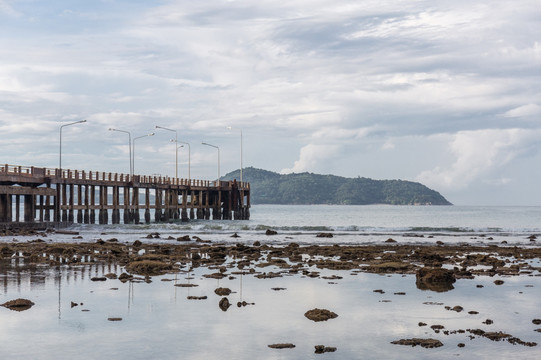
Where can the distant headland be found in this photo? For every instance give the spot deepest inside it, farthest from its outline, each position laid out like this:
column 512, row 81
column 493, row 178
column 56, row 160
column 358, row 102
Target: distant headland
column 268, row 187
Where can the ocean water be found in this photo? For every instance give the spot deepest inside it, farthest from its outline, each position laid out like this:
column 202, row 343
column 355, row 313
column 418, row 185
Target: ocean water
column 348, row 224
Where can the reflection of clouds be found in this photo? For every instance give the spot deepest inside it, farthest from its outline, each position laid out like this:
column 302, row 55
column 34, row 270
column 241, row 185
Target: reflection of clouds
column 162, row 323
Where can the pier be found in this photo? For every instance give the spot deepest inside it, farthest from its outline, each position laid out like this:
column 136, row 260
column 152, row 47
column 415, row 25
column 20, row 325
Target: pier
column 60, row 197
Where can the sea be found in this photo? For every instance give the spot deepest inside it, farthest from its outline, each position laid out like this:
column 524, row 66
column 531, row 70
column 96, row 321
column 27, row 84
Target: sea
column 75, row 317
column 349, row 224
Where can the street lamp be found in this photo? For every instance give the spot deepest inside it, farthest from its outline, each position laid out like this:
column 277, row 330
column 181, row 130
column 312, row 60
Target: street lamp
column 230, row 128
column 216, row 147
column 129, row 144
column 73, row 123
column 133, row 148
column 189, row 156
column 176, row 149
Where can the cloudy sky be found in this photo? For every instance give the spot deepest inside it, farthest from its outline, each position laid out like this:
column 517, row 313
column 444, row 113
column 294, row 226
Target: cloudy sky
column 447, row 93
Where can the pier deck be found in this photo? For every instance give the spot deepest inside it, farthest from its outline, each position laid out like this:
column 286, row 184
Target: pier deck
column 61, row 197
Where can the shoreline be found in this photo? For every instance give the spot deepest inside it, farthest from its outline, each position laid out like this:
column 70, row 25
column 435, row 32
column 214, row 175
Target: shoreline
column 464, row 260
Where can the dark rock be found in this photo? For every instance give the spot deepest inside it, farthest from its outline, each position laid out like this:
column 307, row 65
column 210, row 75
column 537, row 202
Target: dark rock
column 18, row 304
column 125, row 277
column 498, row 282
column 186, row 285
column 320, row 314
column 98, row 278
column 390, row 240
column 184, row 238
column 235, row 235
column 324, row 235
column 224, row 304
column 435, row 279
column 426, row 343
column 197, row 298
column 320, row 349
column 148, row 267
column 536, row 321
column 281, row 346
column 137, row 243
column 115, row 319
column 222, row 291
column 270, row 232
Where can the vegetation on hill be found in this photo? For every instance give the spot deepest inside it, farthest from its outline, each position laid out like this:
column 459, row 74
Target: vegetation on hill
column 268, row 187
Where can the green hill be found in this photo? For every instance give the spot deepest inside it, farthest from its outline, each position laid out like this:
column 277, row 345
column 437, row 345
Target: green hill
column 268, row 187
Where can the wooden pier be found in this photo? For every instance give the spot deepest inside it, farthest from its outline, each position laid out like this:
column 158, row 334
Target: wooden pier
column 62, row 197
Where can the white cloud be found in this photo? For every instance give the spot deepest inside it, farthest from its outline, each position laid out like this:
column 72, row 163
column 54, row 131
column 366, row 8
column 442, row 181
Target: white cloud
column 477, row 153
column 311, row 157
column 524, row 111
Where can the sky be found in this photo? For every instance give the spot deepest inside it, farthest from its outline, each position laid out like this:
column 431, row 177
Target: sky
column 446, row 93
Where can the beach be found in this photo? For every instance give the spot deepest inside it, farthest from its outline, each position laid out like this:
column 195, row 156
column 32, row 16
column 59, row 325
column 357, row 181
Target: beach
column 244, row 290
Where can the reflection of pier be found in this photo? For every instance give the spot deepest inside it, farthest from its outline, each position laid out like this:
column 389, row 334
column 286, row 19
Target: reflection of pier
column 68, row 196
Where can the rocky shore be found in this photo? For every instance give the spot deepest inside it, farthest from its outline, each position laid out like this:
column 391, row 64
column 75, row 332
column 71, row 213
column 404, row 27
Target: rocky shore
column 435, row 268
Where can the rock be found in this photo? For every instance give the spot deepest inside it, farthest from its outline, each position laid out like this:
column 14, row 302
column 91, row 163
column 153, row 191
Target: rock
column 115, row 319
column 536, row 321
column 222, row 291
column 186, row 285
column 435, row 279
column 235, row 235
column 320, row 349
column 498, row 282
column 224, row 304
column 461, row 345
column 458, row 308
column 421, row 324
column 184, row 238
column 257, row 243
column 426, row 343
column 488, row 322
column 320, row 314
column 390, row 240
column 74, row 304
column 18, row 304
column 137, row 243
column 125, row 277
column 281, row 346
column 324, row 235
column 148, row 267
column 98, row 278
column 379, row 291
column 111, row 276
column 197, row 298
column 270, row 232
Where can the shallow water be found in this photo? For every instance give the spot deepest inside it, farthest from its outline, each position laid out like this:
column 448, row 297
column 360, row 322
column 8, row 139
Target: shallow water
column 372, row 224
column 158, row 321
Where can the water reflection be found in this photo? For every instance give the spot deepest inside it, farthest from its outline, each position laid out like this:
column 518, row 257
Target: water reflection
column 158, row 320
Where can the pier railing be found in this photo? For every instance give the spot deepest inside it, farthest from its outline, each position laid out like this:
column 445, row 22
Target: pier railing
column 67, row 174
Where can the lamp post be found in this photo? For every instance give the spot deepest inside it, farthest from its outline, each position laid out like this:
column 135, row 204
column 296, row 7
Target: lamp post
column 176, row 149
column 129, row 144
column 73, row 123
column 216, row 147
column 230, row 128
column 189, row 156
column 133, row 148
